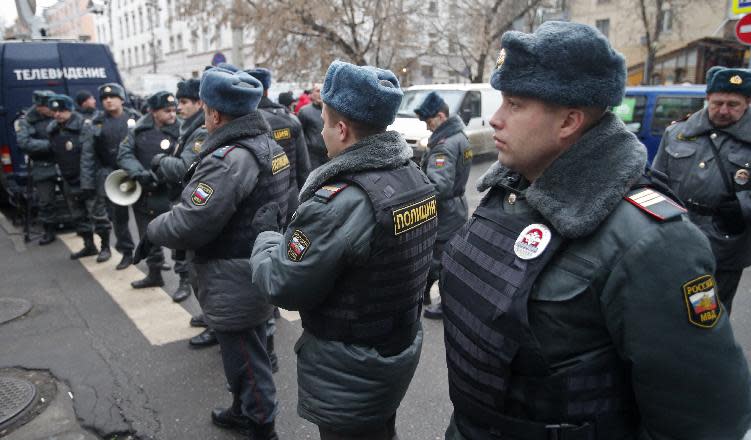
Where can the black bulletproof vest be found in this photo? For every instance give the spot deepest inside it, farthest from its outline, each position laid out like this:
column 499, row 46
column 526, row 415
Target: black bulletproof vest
column 495, row 364
column 282, row 130
column 150, row 142
column 264, row 209
column 113, row 131
column 40, row 124
column 66, row 149
column 377, row 303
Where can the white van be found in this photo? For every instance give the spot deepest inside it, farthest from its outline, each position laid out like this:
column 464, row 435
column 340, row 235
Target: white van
column 474, row 103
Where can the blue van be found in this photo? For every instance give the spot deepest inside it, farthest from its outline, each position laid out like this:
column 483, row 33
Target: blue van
column 648, row 110
column 61, row 66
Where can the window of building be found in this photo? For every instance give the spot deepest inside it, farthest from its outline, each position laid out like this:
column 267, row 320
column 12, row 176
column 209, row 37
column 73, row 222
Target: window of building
column 667, row 19
column 427, row 73
column 171, row 43
column 432, row 6
column 205, row 38
column 603, row 26
column 159, row 50
column 130, row 58
column 140, row 19
column 121, row 28
column 179, row 41
column 136, row 56
column 193, row 42
column 122, row 57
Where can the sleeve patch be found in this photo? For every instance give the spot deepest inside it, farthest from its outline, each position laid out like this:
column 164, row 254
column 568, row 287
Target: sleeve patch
column 279, row 163
column 704, row 309
column 282, row 134
column 201, row 194
column 468, row 154
column 328, row 192
column 655, row 204
column 197, row 147
column 298, row 245
column 439, row 160
column 414, row 215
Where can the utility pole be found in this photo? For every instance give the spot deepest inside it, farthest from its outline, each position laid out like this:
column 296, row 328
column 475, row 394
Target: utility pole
column 153, row 5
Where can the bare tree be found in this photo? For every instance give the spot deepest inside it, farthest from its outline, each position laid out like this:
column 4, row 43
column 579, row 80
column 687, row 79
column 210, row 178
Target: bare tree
column 474, row 33
column 299, row 38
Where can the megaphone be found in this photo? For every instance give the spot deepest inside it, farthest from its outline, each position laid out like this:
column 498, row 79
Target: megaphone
column 121, row 189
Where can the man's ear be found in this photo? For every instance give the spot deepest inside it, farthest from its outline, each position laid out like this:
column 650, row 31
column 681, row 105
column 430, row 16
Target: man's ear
column 344, row 131
column 573, row 121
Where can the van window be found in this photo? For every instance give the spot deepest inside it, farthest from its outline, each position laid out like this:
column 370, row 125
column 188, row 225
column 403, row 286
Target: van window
column 471, row 106
column 413, row 98
column 673, row 108
column 631, row 112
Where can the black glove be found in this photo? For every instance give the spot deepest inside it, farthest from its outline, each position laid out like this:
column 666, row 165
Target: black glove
column 88, row 193
column 142, row 250
column 155, row 161
column 147, row 179
column 729, row 217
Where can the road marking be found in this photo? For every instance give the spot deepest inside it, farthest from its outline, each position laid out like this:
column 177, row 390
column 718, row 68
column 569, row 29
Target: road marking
column 156, row 316
column 14, row 234
column 289, row 315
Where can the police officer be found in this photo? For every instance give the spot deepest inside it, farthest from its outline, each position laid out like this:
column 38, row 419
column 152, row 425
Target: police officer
column 354, row 261
column 578, row 301
column 156, row 132
column 287, row 132
column 707, row 158
column 171, row 167
column 99, row 158
column 86, row 104
column 31, row 134
column 66, row 134
column 312, row 124
column 447, row 164
column 238, row 190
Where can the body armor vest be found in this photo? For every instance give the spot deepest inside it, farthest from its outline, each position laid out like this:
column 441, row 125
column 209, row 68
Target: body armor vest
column 66, row 148
column 151, row 142
column 377, row 303
column 283, row 133
column 40, row 124
column 113, row 131
column 268, row 199
column 498, row 377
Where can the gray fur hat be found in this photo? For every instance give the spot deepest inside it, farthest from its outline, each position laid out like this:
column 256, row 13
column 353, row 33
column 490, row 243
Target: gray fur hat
column 230, row 90
column 562, row 63
column 111, row 89
column 362, row 93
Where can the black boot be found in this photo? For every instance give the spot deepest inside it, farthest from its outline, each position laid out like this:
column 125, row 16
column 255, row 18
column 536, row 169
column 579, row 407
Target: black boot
column 88, row 247
column 49, row 234
column 263, row 432
column 272, row 354
column 104, row 251
column 433, row 311
column 426, row 295
column 183, row 289
column 153, row 279
column 206, row 338
column 126, row 261
column 198, row 321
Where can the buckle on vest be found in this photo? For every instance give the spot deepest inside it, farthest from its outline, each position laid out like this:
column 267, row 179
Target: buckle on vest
column 567, row 431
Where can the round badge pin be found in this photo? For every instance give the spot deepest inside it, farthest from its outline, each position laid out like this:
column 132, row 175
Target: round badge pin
column 532, row 241
column 742, row 176
column 69, row 145
column 164, row 144
column 131, row 123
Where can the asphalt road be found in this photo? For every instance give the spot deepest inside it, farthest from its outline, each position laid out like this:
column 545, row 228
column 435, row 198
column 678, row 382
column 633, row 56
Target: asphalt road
column 129, row 368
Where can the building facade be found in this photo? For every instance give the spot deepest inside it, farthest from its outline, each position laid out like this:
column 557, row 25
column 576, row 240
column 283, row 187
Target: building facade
column 71, row 19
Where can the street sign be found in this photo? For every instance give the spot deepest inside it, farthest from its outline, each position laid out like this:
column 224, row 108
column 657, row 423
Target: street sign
column 740, row 7
column 218, row 59
column 743, row 29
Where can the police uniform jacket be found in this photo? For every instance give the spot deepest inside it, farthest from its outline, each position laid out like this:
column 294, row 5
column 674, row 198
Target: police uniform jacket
column 66, row 145
column 31, row 134
column 619, row 287
column 100, row 146
column 172, row 168
column 312, row 124
column 224, row 178
column 447, row 164
column 340, row 386
column 134, row 156
column 686, row 156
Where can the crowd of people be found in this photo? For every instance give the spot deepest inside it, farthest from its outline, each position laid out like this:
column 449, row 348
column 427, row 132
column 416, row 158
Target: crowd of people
column 587, row 297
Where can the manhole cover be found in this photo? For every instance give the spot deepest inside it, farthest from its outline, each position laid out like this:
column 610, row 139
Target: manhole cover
column 15, row 396
column 12, row 308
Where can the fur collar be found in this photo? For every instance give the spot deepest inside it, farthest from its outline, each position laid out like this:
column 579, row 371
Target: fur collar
column 245, row 126
column 383, row 150
column 585, row 184
column 698, row 125
column 450, row 127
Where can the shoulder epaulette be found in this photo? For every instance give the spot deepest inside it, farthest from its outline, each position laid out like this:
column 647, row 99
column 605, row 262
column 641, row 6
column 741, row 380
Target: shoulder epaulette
column 221, row 153
column 654, row 203
column 329, row 191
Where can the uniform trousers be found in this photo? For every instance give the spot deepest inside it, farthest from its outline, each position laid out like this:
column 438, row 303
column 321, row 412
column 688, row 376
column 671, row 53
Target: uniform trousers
column 45, row 190
column 155, row 259
column 89, row 215
column 248, row 372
